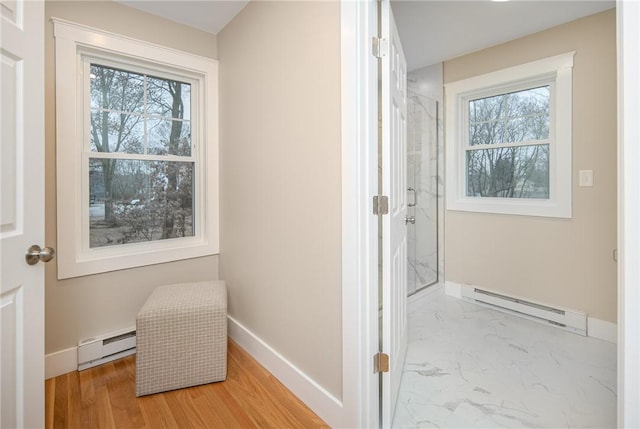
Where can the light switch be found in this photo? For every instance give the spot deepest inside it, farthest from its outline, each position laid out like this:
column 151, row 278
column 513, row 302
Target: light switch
column 586, row 178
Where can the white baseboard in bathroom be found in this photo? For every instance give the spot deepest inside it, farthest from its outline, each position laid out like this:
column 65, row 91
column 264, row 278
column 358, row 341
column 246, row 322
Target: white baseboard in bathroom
column 596, row 328
column 602, row 330
column 323, row 403
column 453, row 289
column 60, row 362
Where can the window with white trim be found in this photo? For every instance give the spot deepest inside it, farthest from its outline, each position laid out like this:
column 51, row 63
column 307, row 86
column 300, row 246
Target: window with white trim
column 508, row 140
column 137, row 154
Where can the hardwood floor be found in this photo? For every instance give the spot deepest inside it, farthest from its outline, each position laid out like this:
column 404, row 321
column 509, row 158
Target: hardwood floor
column 104, row 397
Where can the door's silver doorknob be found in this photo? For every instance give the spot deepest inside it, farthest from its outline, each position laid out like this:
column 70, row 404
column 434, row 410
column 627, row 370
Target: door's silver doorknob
column 410, row 219
column 35, row 254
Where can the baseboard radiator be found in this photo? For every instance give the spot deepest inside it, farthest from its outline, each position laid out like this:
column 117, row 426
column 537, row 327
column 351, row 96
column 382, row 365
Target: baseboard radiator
column 106, row 348
column 570, row 320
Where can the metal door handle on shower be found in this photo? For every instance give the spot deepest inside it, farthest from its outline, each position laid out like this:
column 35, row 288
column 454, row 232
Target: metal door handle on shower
column 415, row 197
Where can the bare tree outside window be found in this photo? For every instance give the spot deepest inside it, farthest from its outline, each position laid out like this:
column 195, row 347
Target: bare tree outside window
column 140, row 189
column 508, row 150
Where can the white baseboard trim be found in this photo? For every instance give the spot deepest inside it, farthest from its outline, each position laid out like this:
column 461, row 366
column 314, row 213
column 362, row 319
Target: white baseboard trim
column 453, row 289
column 602, row 330
column 60, row 362
column 323, row 403
column 596, row 328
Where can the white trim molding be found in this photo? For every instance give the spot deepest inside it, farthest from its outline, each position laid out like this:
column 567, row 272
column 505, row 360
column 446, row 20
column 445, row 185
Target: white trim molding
column 60, row 362
column 602, row 330
column 323, row 403
column 453, row 289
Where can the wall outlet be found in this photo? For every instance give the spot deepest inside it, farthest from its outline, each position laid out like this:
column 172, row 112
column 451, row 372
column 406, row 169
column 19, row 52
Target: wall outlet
column 586, row 178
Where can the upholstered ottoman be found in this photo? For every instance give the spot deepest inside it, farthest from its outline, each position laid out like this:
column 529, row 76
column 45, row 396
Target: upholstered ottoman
column 181, row 337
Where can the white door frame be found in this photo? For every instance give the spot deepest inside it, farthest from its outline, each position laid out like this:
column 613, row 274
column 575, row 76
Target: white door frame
column 628, row 31
column 359, row 230
column 359, row 91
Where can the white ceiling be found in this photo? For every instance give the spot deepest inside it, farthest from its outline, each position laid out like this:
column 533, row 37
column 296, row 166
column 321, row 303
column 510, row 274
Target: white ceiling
column 434, row 31
column 207, row 15
column 431, row 30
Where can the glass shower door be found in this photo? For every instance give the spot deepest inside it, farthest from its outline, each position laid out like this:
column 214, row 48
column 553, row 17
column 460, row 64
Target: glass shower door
column 422, row 191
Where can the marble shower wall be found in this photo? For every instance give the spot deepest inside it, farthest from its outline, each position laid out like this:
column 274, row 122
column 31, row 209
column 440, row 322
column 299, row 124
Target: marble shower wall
column 424, row 164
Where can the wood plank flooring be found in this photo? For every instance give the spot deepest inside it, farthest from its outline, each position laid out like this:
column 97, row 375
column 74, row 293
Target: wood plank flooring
column 104, row 397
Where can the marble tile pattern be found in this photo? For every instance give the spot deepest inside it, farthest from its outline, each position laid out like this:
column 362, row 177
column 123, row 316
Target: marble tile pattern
column 468, row 366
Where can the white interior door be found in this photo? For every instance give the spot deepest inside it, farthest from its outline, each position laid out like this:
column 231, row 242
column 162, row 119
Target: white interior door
column 22, row 214
column 394, row 229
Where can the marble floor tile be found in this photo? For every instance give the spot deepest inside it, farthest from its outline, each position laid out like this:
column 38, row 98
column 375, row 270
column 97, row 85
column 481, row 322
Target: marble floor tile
column 469, row 366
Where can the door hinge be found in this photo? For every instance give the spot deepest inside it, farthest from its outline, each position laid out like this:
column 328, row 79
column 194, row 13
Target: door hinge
column 379, row 47
column 380, row 363
column 380, row 205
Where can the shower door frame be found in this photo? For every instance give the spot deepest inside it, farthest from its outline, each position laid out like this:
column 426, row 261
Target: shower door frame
column 438, row 217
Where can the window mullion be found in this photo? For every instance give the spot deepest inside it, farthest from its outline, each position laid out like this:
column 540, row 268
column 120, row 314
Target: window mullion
column 145, row 138
column 505, row 145
column 102, row 109
column 141, row 157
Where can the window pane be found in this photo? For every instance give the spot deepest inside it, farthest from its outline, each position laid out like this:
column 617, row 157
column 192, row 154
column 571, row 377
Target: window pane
column 510, row 118
column 527, row 128
column 116, row 132
column 487, row 109
column 509, row 172
column 118, row 90
column 168, row 98
column 135, row 113
column 529, row 101
column 490, row 132
column 167, row 137
column 136, row 201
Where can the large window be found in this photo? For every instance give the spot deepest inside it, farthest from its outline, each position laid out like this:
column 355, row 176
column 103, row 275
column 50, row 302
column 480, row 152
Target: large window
column 137, row 153
column 509, row 140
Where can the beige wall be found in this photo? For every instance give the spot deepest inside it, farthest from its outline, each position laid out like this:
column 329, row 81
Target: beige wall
column 280, row 180
column 86, row 306
column 556, row 261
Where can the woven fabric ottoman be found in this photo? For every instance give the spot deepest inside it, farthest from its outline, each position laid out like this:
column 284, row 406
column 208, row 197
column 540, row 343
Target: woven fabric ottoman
column 181, row 337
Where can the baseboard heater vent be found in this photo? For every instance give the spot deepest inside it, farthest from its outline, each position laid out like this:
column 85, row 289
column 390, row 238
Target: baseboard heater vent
column 570, row 320
column 103, row 349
